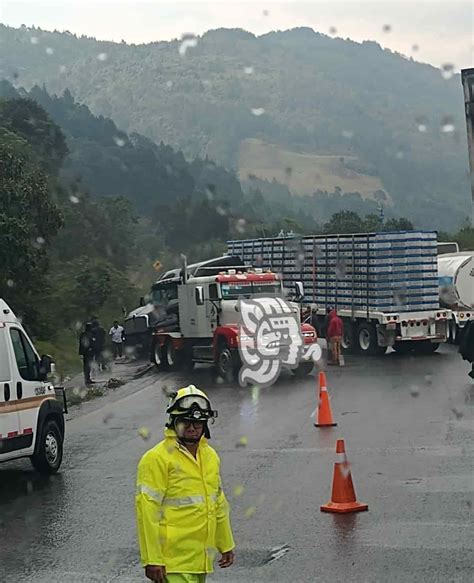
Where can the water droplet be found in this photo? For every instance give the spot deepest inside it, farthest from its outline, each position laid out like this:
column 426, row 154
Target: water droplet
column 29, row 487
column 102, row 56
column 221, row 211
column 119, row 141
column 415, row 48
column 34, row 40
column 257, row 111
column 387, row 27
column 74, row 199
column 399, row 155
column 447, row 70
column 332, row 30
column 10, row 283
column 189, row 41
column 240, row 225
column 248, row 70
column 238, row 490
column 107, row 417
column 250, row 511
column 348, row 134
column 414, row 391
column 288, row 171
column 157, row 265
column 144, row 433
column 422, row 128
column 243, row 442
column 458, row 414
column 49, row 51
column 448, row 128
column 341, row 268
column 40, row 240
column 429, row 379
column 169, row 84
column 62, row 69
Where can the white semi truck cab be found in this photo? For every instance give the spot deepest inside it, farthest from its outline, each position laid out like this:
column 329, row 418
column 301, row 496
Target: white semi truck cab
column 31, row 414
column 200, row 319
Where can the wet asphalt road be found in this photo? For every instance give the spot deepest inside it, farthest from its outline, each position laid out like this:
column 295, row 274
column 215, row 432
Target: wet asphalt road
column 408, row 424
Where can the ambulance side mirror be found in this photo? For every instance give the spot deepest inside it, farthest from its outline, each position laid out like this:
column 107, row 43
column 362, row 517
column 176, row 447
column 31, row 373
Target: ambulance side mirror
column 46, row 366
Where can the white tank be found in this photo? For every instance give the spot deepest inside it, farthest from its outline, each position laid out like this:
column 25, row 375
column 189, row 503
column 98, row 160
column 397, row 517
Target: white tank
column 456, row 280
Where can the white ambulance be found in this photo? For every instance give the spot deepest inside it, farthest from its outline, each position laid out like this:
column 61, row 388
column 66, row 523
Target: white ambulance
column 31, row 414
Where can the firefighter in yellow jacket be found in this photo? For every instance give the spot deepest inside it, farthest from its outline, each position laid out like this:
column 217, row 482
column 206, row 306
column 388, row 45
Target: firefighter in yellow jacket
column 182, row 513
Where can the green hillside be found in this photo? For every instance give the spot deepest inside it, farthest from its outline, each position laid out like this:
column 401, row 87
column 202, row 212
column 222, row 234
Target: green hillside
column 299, row 90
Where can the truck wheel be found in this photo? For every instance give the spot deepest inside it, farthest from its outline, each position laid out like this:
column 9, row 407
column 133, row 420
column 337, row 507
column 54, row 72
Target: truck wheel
column 348, row 337
column 157, row 356
column 225, row 364
column 303, row 369
column 366, row 339
column 49, row 449
column 425, row 347
column 172, row 358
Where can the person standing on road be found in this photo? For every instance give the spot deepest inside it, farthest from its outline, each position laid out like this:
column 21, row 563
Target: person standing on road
column 86, row 350
column 182, row 512
column 466, row 346
column 117, row 333
column 335, row 333
column 99, row 343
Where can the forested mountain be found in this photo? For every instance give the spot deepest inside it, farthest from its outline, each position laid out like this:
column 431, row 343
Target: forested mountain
column 388, row 119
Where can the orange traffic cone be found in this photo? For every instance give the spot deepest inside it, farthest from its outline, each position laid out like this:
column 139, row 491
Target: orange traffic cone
column 343, row 498
column 324, row 408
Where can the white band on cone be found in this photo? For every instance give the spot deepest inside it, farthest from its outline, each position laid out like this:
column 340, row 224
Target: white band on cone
column 341, row 458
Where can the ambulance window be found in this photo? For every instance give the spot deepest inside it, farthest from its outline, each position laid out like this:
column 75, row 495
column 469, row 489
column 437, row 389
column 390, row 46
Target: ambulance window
column 4, row 363
column 26, row 359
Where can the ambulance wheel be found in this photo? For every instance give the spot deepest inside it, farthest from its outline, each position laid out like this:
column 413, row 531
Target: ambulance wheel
column 49, row 449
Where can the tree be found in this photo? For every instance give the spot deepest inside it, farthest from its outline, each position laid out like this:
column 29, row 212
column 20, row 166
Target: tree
column 29, row 220
column 344, row 222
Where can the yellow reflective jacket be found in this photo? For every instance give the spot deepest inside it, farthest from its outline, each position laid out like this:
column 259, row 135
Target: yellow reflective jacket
column 182, row 512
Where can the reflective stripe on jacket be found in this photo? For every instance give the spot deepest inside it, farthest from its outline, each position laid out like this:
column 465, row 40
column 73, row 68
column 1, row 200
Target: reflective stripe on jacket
column 182, row 513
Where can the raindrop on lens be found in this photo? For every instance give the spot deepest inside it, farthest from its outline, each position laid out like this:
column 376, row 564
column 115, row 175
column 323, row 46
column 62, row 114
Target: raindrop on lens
column 258, row 111
column 102, row 56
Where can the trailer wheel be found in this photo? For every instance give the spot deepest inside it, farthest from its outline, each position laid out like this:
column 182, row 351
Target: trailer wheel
column 348, row 337
column 366, row 339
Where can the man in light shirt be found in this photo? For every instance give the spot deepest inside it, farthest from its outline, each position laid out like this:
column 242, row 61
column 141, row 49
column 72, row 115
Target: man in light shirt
column 116, row 333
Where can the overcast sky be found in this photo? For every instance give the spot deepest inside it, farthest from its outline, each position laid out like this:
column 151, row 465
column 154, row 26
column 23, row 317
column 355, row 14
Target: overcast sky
column 433, row 31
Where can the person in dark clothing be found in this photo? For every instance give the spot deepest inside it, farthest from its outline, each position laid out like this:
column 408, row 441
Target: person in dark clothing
column 98, row 343
column 326, row 323
column 466, row 347
column 86, row 350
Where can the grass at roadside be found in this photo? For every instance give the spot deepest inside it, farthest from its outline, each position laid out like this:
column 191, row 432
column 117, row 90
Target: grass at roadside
column 64, row 351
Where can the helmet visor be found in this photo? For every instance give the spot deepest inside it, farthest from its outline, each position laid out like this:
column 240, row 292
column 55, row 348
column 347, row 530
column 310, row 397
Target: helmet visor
column 192, row 401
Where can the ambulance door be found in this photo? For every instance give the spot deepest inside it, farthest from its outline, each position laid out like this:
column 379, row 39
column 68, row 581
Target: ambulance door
column 9, row 418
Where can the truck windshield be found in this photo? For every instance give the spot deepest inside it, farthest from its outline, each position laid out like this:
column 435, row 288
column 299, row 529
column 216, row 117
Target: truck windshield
column 162, row 296
column 233, row 290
